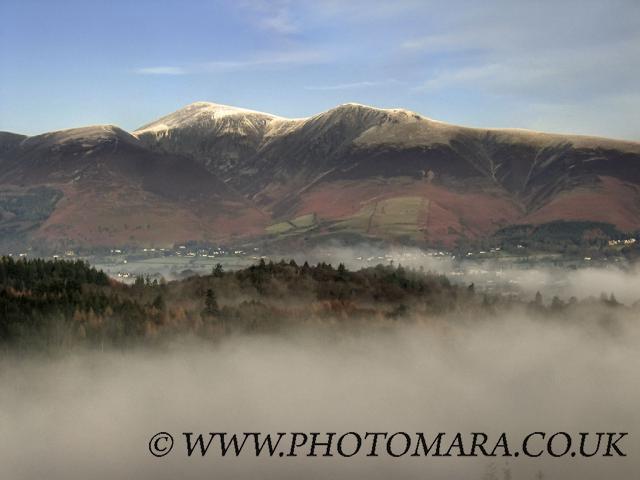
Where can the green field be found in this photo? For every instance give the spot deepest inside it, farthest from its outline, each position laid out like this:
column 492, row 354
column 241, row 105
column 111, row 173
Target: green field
column 296, row 225
column 395, row 217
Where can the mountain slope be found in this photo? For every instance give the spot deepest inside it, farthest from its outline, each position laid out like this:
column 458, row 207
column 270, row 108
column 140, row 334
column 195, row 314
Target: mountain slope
column 474, row 180
column 210, row 172
column 219, row 136
column 110, row 190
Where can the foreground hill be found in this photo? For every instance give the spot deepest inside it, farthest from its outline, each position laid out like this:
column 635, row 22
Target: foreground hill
column 211, row 172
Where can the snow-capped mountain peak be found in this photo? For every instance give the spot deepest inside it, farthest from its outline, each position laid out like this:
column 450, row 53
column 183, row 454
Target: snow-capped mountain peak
column 205, row 114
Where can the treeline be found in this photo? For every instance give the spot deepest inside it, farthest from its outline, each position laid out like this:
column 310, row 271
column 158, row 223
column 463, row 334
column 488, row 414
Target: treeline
column 51, row 277
column 45, row 303
column 60, row 304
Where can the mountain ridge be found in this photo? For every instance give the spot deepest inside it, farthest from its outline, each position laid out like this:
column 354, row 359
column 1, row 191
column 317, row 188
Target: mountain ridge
column 353, row 171
column 516, row 131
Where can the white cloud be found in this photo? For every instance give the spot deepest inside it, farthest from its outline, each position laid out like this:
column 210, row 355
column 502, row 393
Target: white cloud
column 280, row 22
column 357, row 11
column 161, row 71
column 616, row 116
column 273, row 15
column 542, row 75
column 459, row 40
column 352, row 86
column 265, row 60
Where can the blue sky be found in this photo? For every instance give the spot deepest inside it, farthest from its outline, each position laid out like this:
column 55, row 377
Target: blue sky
column 564, row 66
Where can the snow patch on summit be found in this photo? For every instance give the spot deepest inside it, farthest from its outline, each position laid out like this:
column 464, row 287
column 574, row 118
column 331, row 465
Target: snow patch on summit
column 202, row 113
column 221, row 119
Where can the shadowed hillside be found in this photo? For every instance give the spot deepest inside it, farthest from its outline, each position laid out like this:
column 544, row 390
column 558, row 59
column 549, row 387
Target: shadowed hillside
column 211, row 172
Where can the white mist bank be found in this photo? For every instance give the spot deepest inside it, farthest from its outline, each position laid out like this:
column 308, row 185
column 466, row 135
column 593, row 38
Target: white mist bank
column 91, row 415
column 500, row 276
column 496, row 276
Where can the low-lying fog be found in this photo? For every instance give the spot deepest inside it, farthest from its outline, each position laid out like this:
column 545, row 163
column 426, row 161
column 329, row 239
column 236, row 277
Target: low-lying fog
column 500, row 275
column 91, row 415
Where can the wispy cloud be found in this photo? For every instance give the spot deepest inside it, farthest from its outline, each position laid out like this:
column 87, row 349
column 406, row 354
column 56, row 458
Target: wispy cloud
column 505, row 55
column 364, row 11
column 267, row 60
column 565, row 73
column 439, row 42
column 352, row 86
column 610, row 116
column 280, row 22
column 532, row 69
column 273, row 15
column 161, row 71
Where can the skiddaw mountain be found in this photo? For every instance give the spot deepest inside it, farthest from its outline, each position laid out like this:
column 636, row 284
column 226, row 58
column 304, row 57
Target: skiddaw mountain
column 214, row 173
